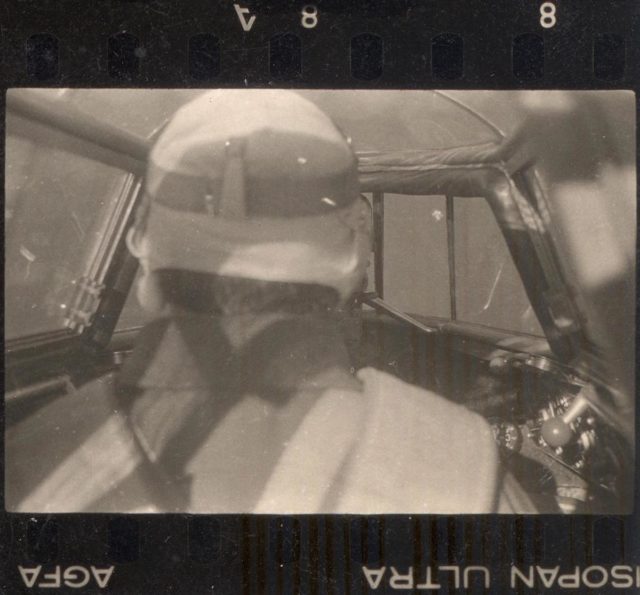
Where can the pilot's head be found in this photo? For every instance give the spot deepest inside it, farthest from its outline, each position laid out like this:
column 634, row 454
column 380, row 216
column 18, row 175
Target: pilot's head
column 252, row 204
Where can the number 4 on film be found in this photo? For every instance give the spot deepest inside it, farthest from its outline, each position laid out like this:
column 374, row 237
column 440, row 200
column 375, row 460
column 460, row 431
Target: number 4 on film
column 241, row 11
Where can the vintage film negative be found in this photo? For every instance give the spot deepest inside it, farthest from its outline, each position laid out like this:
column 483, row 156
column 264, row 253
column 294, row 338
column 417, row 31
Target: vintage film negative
column 320, row 298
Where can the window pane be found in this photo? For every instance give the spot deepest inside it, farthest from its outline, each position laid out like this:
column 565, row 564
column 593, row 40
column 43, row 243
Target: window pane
column 56, row 206
column 489, row 290
column 416, row 273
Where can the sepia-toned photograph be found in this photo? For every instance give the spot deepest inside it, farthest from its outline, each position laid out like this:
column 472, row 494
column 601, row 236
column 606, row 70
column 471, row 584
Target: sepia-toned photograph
column 280, row 301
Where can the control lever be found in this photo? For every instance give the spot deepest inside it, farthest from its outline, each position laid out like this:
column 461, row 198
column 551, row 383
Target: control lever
column 557, row 431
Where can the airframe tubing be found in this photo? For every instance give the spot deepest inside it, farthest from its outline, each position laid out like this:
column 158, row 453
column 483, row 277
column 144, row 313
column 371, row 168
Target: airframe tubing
column 66, row 118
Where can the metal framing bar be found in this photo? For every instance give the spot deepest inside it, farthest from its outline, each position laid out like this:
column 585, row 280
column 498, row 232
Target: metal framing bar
column 451, row 254
column 378, row 242
column 381, row 306
column 76, row 123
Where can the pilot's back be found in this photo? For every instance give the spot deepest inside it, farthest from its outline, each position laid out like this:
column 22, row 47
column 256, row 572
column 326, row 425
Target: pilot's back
column 279, row 426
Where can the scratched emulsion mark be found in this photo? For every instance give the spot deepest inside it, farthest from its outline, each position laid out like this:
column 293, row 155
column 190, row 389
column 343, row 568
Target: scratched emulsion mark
column 30, row 258
column 492, row 291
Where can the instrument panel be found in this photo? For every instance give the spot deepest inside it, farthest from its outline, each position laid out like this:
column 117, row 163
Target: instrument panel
column 554, row 441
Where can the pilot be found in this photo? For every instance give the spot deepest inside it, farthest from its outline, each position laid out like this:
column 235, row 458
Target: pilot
column 240, row 395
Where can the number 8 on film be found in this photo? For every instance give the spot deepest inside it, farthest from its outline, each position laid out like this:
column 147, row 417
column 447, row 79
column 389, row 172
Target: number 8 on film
column 309, row 16
column 547, row 15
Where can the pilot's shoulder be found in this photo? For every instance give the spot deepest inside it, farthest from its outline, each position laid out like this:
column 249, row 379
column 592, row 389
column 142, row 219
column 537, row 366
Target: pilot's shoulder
column 55, row 449
column 387, row 391
column 68, row 415
column 417, row 434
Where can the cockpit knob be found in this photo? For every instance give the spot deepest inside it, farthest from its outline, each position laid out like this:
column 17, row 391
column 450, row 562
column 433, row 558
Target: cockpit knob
column 556, row 432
